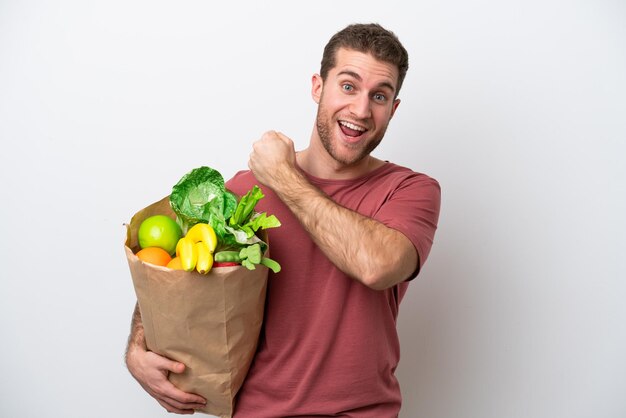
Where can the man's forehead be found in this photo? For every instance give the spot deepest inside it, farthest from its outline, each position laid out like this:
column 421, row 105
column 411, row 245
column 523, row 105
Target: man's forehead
column 362, row 65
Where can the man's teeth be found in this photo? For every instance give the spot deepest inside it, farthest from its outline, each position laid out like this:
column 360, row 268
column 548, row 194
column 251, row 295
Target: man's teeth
column 352, row 126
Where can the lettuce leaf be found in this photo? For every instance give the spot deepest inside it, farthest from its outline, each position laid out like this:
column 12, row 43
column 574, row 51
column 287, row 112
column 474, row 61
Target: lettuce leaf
column 201, row 196
column 198, row 197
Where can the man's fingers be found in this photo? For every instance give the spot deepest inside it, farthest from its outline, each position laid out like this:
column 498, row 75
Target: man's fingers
column 176, row 399
column 167, row 392
column 152, row 370
column 184, row 401
column 164, row 363
column 284, row 137
column 172, row 409
column 171, row 394
column 275, row 135
column 174, row 367
column 183, row 398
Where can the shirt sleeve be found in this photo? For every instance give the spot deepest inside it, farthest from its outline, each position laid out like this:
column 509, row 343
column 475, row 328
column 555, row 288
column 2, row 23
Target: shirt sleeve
column 413, row 209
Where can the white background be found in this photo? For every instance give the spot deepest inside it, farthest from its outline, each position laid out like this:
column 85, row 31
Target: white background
column 517, row 107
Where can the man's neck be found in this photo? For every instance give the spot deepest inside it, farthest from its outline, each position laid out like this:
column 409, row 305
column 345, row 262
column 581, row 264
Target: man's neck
column 322, row 165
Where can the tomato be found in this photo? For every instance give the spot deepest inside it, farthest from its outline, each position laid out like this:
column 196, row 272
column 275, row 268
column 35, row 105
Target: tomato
column 225, row 264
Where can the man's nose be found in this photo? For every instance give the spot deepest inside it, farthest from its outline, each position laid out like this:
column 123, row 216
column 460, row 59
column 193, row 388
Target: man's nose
column 361, row 106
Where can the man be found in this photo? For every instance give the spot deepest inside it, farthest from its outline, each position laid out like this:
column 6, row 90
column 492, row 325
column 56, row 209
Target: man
column 355, row 230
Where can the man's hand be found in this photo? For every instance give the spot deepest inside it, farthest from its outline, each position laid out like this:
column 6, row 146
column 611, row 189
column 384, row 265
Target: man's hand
column 273, row 158
column 151, row 371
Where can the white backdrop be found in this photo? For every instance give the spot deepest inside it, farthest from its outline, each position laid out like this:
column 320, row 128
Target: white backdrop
column 517, row 108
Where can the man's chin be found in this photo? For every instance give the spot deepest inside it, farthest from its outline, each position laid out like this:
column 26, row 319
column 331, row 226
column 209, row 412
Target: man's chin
column 350, row 157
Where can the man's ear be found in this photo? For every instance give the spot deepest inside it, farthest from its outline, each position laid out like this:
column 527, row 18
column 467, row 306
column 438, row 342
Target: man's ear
column 395, row 105
column 317, row 85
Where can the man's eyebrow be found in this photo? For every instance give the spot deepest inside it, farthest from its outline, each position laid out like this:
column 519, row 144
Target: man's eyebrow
column 358, row 77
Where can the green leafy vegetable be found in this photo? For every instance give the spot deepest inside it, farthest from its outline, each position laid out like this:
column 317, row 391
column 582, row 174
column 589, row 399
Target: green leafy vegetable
column 246, row 206
column 251, row 256
column 248, row 221
column 201, row 196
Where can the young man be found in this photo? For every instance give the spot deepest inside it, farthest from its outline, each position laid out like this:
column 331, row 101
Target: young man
column 355, row 230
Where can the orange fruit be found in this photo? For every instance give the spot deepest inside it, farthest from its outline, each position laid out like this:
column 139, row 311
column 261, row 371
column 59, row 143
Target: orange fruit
column 154, row 255
column 159, row 231
column 175, row 264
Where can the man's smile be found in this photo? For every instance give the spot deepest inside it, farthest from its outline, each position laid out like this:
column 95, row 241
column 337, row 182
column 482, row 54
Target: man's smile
column 351, row 130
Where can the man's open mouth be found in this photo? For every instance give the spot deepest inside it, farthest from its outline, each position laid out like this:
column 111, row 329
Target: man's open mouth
column 350, row 129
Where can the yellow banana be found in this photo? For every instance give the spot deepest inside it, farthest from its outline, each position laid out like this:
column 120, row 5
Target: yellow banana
column 205, row 258
column 188, row 253
column 203, row 232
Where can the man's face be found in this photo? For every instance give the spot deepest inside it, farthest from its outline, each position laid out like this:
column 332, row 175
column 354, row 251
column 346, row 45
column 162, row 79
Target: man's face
column 356, row 103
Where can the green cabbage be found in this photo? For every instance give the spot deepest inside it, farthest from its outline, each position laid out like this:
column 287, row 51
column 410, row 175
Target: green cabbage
column 201, row 196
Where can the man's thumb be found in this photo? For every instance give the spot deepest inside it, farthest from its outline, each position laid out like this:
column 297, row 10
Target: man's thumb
column 175, row 367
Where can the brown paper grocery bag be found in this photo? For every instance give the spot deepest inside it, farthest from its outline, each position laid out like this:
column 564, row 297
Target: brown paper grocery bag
column 210, row 323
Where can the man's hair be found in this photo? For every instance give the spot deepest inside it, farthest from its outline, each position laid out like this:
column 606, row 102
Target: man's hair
column 369, row 38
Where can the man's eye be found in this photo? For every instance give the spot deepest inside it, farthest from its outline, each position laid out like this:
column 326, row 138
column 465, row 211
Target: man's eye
column 347, row 87
column 380, row 97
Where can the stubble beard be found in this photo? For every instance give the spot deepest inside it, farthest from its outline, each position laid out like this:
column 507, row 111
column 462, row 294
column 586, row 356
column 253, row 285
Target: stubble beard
column 324, row 129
